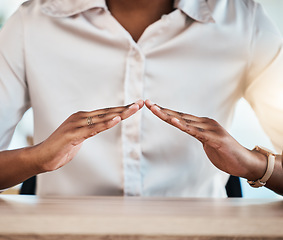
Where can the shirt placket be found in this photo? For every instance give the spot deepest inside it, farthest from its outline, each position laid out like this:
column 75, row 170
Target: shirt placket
column 133, row 91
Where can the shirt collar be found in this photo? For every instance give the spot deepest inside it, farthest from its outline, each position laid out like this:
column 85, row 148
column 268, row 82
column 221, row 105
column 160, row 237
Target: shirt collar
column 195, row 9
column 66, row 8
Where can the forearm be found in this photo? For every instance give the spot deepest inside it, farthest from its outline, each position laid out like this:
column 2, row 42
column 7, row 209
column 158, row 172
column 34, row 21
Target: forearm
column 62, row 145
column 17, row 166
column 275, row 182
column 257, row 168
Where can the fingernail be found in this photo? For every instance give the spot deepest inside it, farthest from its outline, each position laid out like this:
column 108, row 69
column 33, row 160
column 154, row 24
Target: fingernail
column 156, row 107
column 133, row 105
column 116, row 118
column 176, row 119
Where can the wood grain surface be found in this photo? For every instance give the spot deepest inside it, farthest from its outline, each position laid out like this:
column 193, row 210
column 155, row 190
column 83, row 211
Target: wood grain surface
column 107, row 218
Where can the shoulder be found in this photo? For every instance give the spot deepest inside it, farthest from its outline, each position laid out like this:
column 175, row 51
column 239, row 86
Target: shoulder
column 237, row 4
column 32, row 7
column 243, row 13
column 236, row 7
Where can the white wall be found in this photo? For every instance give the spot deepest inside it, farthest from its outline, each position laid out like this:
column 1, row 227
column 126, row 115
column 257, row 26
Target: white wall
column 7, row 7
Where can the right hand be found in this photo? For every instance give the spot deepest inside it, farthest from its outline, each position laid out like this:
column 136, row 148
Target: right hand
column 220, row 147
column 63, row 144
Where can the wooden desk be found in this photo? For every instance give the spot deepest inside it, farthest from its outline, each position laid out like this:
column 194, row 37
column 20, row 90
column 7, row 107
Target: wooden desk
column 107, row 218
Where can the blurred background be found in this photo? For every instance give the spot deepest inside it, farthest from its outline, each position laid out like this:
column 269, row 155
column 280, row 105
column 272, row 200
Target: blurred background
column 246, row 128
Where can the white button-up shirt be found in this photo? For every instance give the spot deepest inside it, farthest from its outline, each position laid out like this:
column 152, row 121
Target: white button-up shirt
column 64, row 56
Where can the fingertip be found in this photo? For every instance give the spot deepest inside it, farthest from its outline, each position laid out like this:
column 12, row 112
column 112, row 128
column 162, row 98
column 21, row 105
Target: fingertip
column 148, row 103
column 135, row 105
column 155, row 108
column 140, row 103
column 116, row 119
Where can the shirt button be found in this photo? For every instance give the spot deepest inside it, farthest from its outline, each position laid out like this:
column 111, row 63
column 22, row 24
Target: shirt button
column 134, row 155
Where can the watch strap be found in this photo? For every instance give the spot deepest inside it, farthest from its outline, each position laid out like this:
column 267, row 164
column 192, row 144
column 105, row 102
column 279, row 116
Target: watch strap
column 269, row 169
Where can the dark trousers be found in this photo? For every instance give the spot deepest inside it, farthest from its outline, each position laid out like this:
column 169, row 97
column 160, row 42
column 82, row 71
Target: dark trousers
column 233, row 187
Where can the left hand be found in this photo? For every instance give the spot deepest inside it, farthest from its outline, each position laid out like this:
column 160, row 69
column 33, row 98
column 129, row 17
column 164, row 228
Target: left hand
column 220, row 147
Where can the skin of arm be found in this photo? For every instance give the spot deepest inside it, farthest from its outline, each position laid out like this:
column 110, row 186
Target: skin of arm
column 61, row 146
column 221, row 148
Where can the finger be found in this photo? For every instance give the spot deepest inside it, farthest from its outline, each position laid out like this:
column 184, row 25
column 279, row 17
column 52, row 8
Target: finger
column 197, row 132
column 102, row 126
column 148, row 103
column 167, row 116
column 118, row 109
column 203, row 134
column 80, row 119
column 154, row 108
column 104, row 117
column 107, row 110
column 91, row 120
column 105, row 121
column 180, row 115
column 161, row 114
column 202, row 123
column 191, row 124
column 129, row 111
column 140, row 103
column 125, row 113
column 94, row 129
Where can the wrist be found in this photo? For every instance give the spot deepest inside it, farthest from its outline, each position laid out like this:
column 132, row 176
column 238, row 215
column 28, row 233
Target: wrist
column 260, row 180
column 257, row 165
column 30, row 157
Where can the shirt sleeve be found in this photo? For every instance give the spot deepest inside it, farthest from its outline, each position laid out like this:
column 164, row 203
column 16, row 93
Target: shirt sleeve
column 264, row 82
column 14, row 97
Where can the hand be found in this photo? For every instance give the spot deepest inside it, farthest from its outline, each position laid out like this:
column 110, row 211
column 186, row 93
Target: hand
column 220, row 147
column 65, row 142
